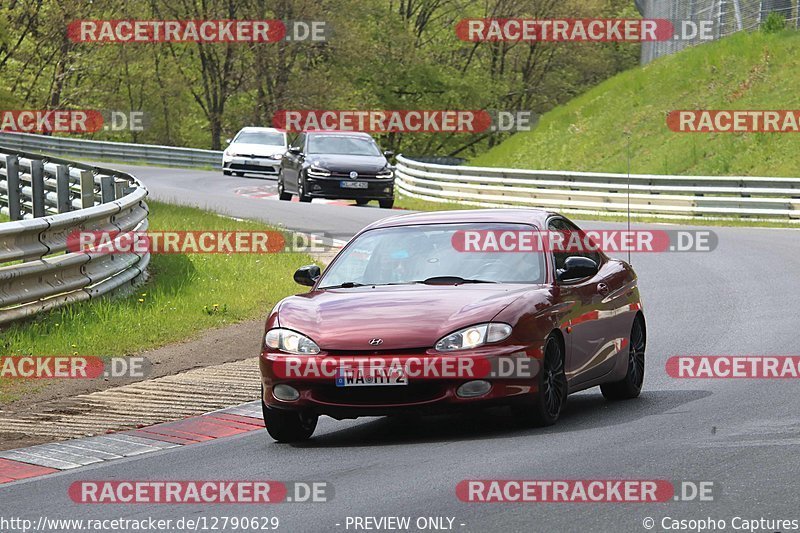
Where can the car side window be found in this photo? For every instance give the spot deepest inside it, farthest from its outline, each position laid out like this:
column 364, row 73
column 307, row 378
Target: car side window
column 299, row 142
column 560, row 257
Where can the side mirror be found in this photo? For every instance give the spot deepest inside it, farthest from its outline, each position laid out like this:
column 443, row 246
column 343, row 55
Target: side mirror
column 307, row 275
column 228, row 141
column 577, row 267
column 388, row 154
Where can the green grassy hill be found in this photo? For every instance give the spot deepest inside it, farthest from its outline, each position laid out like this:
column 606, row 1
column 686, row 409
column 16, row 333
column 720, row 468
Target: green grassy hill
column 744, row 71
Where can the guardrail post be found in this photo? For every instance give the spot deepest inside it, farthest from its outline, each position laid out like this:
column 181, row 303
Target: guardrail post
column 87, row 188
column 106, row 189
column 37, row 188
column 119, row 188
column 14, row 200
column 62, row 188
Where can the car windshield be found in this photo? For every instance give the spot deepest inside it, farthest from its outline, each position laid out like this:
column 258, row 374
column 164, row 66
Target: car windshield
column 342, row 145
column 427, row 254
column 272, row 138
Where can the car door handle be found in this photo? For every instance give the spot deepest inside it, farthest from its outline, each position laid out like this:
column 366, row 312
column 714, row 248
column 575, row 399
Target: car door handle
column 602, row 288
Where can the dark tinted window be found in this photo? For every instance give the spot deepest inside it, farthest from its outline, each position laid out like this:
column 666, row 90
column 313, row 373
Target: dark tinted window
column 410, row 254
column 342, row 145
column 299, row 141
column 272, row 138
column 559, row 257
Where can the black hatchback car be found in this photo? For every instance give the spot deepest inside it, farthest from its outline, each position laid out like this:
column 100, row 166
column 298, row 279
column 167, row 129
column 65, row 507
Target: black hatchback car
column 336, row 165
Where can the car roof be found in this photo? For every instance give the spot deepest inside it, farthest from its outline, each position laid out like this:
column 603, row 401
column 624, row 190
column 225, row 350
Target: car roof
column 338, row 132
column 260, row 128
column 537, row 217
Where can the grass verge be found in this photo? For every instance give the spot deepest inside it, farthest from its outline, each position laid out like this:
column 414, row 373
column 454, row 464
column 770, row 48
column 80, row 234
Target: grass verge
column 747, row 70
column 184, row 295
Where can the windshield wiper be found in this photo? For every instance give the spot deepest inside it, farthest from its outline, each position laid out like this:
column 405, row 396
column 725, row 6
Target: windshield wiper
column 435, row 280
column 345, row 285
column 452, row 280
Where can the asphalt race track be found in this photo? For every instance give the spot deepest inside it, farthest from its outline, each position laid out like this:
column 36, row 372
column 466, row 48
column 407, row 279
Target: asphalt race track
column 234, row 196
column 741, row 434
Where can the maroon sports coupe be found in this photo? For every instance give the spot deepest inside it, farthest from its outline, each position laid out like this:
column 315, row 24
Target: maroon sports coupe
column 407, row 318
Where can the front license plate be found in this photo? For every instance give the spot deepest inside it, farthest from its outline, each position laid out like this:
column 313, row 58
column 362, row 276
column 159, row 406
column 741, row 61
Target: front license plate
column 353, row 184
column 370, row 378
column 255, row 162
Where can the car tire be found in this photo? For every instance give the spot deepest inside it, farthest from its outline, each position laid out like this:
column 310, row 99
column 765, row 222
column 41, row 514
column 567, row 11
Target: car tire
column 301, row 191
column 362, row 201
column 631, row 385
column 226, row 172
column 386, row 204
column 551, row 396
column 288, row 426
column 282, row 194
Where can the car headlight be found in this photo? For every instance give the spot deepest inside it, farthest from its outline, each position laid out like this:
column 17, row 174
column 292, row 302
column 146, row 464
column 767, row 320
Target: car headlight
column 473, row 337
column 290, row 341
column 320, row 172
column 385, row 173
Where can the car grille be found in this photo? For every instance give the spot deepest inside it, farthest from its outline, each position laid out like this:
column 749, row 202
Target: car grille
column 347, row 175
column 413, row 352
column 252, row 168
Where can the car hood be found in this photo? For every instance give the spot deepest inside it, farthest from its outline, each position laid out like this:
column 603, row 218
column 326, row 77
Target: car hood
column 363, row 164
column 255, row 149
column 414, row 316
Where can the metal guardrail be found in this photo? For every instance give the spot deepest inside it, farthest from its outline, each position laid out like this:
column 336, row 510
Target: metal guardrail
column 169, row 156
column 598, row 193
column 576, row 192
column 48, row 200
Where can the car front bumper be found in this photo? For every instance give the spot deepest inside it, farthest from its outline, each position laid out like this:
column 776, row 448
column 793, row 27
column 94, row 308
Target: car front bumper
column 319, row 393
column 260, row 165
column 331, row 188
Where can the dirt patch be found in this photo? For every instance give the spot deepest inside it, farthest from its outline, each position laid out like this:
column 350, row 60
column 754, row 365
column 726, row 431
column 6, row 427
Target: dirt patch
column 144, row 403
column 212, row 347
column 756, row 74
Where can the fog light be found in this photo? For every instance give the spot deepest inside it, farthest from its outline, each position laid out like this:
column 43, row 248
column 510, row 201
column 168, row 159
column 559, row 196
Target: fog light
column 285, row 393
column 471, row 389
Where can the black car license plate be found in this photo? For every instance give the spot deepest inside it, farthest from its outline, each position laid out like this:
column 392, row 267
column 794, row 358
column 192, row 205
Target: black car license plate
column 353, row 184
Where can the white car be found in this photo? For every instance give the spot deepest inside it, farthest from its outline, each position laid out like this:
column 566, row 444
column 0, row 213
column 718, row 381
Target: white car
column 254, row 151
